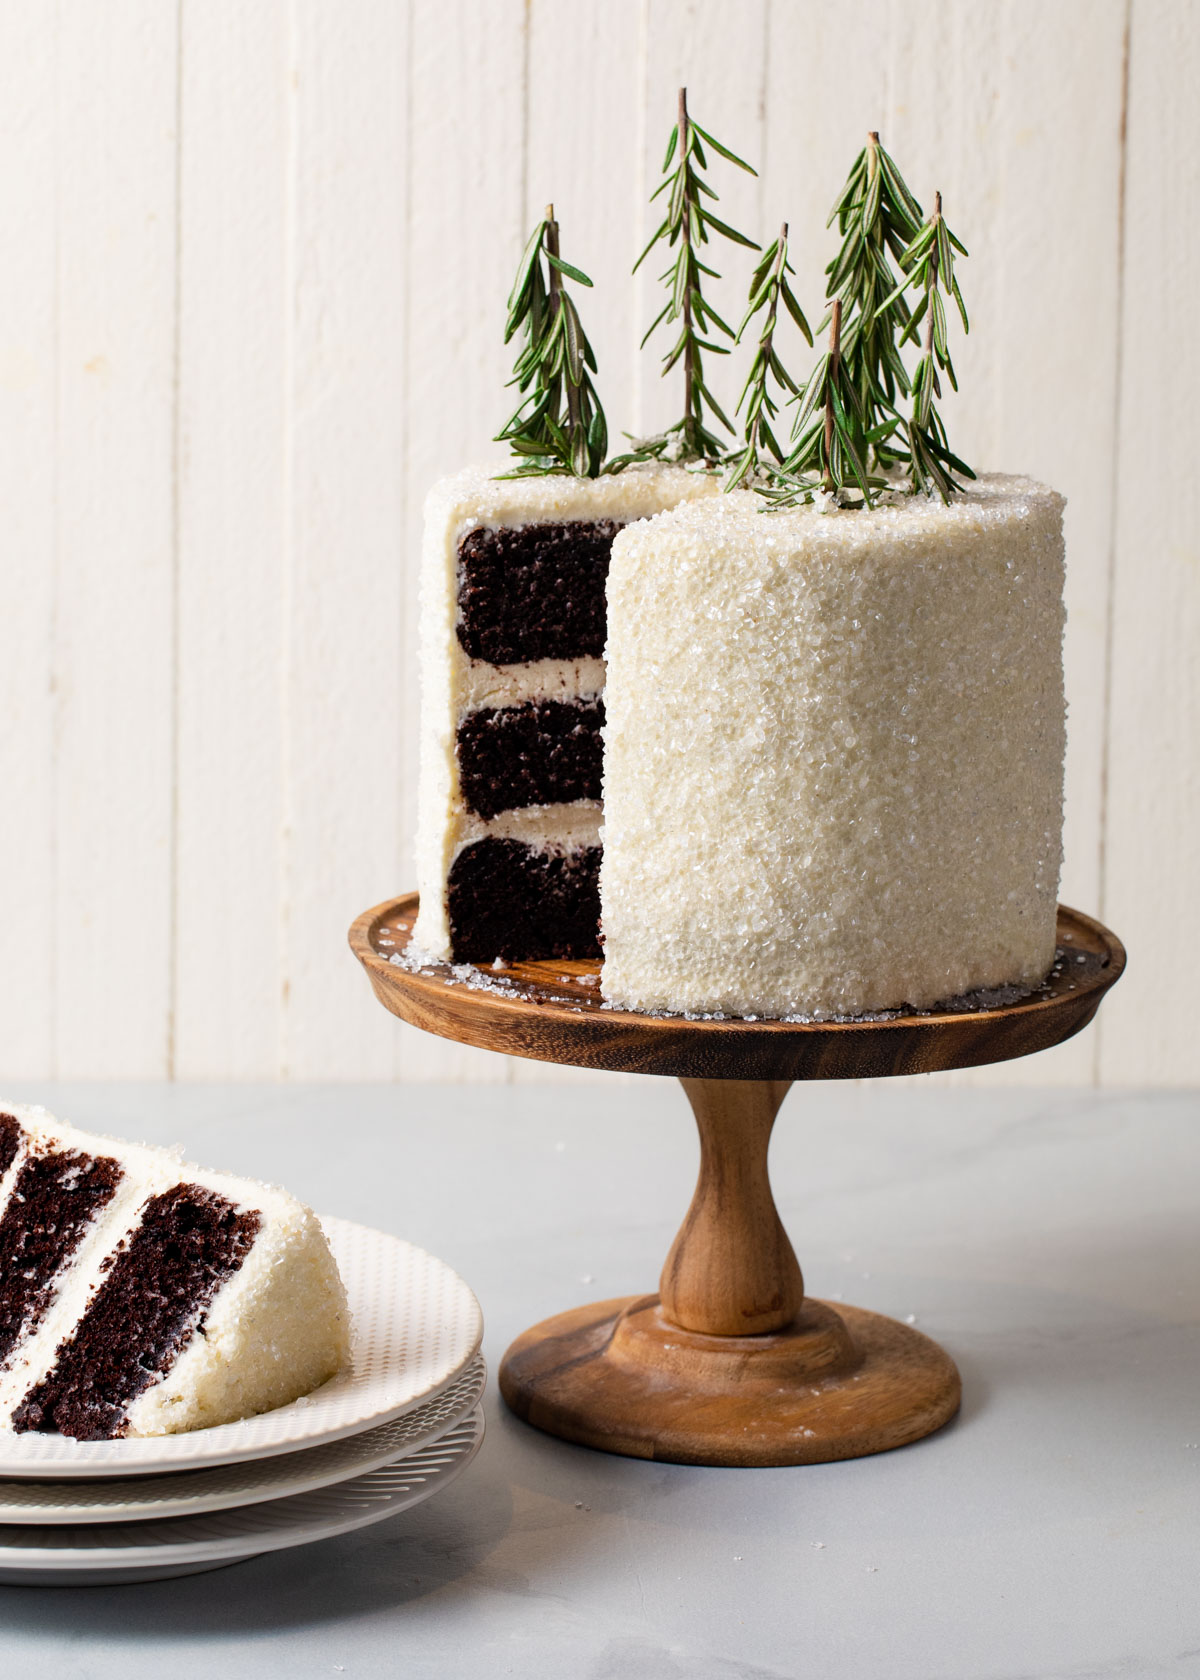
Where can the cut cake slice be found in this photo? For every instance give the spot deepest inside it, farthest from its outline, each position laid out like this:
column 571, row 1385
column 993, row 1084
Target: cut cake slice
column 140, row 1295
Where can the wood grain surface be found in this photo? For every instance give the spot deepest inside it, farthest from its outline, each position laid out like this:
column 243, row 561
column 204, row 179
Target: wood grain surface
column 731, row 1270
column 836, row 1384
column 553, row 1011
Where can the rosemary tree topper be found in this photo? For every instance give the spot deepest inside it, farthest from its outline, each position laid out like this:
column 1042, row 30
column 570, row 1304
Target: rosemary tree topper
column 929, row 262
column 849, row 435
column 559, row 426
column 768, row 285
column 687, row 226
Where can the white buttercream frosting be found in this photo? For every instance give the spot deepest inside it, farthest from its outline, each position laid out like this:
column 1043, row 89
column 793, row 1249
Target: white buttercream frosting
column 833, row 753
column 569, row 827
column 520, row 685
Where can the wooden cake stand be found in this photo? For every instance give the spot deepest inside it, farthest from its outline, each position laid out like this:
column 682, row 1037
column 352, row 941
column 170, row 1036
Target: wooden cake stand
column 730, row 1363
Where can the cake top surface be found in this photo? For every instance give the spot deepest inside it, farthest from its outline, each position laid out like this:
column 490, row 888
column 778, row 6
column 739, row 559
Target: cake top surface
column 739, row 520
column 485, row 499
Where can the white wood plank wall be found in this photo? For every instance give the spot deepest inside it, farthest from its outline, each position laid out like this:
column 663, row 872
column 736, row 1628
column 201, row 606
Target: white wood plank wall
column 251, row 301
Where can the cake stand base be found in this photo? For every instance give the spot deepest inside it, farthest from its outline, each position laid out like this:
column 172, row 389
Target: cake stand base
column 836, row 1383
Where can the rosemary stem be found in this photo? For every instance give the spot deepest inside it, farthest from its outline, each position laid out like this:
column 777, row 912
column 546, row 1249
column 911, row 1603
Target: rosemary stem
column 690, row 415
column 933, row 273
column 835, row 351
column 555, row 305
column 768, row 332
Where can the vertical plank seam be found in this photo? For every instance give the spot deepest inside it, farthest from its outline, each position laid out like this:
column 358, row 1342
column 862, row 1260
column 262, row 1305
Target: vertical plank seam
column 763, row 126
column 526, row 30
column 404, row 400
column 283, row 885
column 56, row 563
column 172, row 987
column 635, row 421
column 510, row 1069
column 1113, row 509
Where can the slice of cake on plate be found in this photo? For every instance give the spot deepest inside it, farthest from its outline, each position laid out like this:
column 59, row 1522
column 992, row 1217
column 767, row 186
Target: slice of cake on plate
column 140, row 1295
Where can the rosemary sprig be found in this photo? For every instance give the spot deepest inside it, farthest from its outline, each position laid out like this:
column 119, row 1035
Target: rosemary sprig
column 768, row 285
column 860, row 445
column 833, row 441
column 877, row 217
column 929, row 262
column 685, row 227
column 559, row 425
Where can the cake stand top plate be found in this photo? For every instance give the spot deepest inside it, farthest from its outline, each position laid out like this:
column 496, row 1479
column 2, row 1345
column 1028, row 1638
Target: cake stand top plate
column 553, row 1012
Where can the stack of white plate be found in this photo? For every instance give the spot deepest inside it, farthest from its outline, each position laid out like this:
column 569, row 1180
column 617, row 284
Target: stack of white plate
column 395, row 1428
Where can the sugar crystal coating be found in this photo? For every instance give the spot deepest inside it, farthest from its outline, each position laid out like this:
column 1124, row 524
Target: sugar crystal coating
column 833, row 753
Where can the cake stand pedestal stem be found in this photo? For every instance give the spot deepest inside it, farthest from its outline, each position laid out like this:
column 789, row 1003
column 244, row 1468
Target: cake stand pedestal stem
column 731, row 1364
column 731, row 1270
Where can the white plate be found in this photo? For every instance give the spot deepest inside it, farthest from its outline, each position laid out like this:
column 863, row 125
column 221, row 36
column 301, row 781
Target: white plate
column 141, row 1498
column 416, row 1328
column 109, row 1553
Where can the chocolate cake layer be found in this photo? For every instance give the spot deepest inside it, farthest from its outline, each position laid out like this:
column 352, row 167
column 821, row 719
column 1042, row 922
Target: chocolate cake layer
column 507, row 900
column 546, row 753
column 10, row 1141
column 535, row 592
column 53, row 1202
column 144, row 1313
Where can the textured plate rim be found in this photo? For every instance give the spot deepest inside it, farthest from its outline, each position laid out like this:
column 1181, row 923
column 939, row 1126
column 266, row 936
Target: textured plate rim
column 124, row 1458
column 202, row 1504
column 241, row 1548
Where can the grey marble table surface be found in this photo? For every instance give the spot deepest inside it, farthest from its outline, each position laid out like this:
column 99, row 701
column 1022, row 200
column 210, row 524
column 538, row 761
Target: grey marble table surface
column 1050, row 1241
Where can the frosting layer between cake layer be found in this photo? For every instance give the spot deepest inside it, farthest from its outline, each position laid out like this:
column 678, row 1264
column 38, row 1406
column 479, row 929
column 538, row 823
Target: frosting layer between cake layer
column 513, row 618
column 833, row 753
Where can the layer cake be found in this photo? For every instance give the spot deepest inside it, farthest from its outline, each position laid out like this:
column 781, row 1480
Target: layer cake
column 140, row 1295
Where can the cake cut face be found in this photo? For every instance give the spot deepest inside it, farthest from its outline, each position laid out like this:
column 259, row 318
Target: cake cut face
column 513, row 630
column 834, row 745
column 142, row 1296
